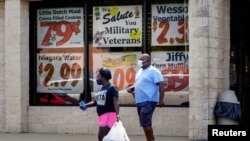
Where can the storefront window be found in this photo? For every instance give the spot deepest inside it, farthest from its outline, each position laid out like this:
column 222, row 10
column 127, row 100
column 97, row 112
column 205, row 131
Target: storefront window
column 169, row 25
column 58, row 49
column 169, row 48
column 65, row 47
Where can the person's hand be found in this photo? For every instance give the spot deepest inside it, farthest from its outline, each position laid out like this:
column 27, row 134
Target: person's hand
column 161, row 103
column 117, row 118
column 130, row 88
column 83, row 106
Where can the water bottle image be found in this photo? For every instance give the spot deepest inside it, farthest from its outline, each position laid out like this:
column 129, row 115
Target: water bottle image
column 83, row 105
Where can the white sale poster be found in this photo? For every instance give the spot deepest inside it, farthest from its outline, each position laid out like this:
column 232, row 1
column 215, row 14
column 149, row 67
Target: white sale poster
column 60, row 28
column 60, row 72
column 169, row 24
column 117, row 26
column 174, row 69
column 122, row 66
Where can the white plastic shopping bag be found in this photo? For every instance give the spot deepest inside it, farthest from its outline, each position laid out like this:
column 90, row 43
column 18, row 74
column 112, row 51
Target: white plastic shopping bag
column 117, row 133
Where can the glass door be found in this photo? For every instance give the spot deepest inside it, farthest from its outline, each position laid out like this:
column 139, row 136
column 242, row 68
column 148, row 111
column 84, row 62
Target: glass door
column 240, row 56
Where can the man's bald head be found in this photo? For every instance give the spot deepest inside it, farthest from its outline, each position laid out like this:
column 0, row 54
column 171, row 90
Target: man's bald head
column 146, row 59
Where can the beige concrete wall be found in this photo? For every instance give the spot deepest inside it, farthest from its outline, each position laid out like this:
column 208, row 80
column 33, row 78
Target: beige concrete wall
column 166, row 121
column 16, row 64
column 2, row 69
column 209, row 26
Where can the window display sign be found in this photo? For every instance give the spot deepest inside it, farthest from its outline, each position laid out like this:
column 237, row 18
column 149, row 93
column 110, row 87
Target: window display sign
column 115, row 26
column 174, row 68
column 169, row 26
column 60, row 72
column 123, row 69
column 60, row 27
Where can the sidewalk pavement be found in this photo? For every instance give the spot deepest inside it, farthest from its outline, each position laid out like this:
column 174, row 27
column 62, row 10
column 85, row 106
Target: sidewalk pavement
column 73, row 137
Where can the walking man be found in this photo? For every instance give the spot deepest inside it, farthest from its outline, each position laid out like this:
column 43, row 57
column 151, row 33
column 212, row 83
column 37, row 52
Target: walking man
column 148, row 91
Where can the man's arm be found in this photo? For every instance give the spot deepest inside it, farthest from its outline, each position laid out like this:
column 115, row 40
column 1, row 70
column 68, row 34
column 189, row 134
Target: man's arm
column 161, row 91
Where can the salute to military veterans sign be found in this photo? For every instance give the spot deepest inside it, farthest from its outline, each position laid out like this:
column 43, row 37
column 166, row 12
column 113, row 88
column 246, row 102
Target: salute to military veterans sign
column 115, row 26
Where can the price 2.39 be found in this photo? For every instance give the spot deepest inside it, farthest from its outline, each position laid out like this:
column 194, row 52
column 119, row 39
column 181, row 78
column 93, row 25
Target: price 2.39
column 165, row 27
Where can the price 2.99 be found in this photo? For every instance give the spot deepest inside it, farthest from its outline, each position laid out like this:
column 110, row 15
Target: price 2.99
column 66, row 72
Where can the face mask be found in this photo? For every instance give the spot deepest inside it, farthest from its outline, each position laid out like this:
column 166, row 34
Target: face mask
column 139, row 63
column 99, row 81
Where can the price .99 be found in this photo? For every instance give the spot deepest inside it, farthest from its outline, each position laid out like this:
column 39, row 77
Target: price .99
column 176, row 78
column 65, row 73
column 121, row 76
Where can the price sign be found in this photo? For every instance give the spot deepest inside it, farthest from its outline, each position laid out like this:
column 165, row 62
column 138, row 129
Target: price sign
column 60, row 27
column 174, row 68
column 162, row 38
column 122, row 77
column 122, row 66
column 169, row 25
column 176, row 79
column 61, row 73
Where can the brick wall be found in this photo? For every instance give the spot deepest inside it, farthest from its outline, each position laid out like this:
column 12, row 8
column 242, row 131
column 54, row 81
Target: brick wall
column 209, row 26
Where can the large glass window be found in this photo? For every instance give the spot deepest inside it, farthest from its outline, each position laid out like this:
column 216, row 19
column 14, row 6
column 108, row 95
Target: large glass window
column 117, row 42
column 169, row 47
column 116, row 33
column 57, row 52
